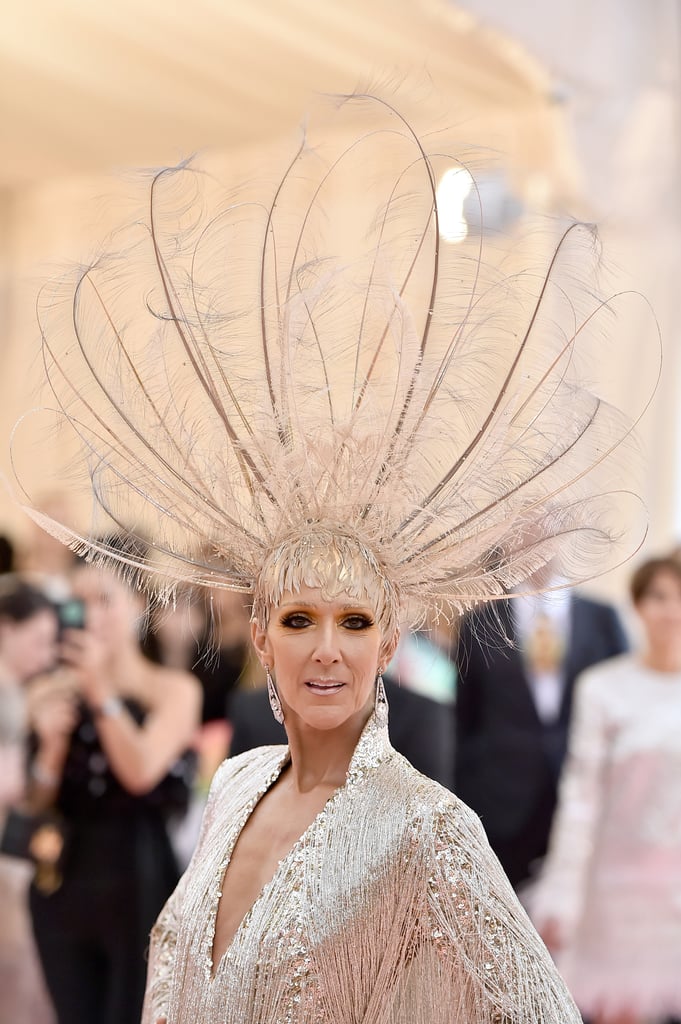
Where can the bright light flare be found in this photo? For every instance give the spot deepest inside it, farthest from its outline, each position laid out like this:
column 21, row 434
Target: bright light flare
column 455, row 186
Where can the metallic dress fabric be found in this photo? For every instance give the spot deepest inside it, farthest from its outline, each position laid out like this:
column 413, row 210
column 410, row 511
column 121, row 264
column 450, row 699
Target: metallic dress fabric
column 390, row 909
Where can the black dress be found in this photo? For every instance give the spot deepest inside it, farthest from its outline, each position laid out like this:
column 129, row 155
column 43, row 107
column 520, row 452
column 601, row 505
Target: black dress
column 93, row 932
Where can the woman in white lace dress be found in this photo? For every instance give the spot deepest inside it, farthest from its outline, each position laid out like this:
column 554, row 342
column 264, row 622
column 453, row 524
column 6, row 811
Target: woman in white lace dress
column 609, row 902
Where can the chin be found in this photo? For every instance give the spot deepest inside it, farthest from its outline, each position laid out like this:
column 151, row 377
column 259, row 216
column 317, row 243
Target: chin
column 326, row 718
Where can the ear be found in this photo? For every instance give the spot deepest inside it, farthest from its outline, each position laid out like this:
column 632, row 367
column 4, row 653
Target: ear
column 261, row 644
column 388, row 649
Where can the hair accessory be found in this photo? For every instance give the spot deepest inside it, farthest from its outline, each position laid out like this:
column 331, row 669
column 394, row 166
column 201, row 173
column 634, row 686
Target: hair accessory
column 287, row 393
column 380, row 700
column 275, row 703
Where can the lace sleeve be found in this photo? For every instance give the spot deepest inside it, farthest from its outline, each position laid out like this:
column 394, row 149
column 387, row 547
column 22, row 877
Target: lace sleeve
column 164, row 933
column 560, row 891
column 498, row 966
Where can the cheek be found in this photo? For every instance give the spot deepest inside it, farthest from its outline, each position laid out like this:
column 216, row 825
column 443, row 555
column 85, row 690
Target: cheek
column 102, row 622
column 96, row 616
column 371, row 657
column 287, row 659
column 35, row 654
column 42, row 657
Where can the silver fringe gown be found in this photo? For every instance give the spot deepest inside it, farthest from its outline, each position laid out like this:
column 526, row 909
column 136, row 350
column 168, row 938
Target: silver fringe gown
column 390, row 909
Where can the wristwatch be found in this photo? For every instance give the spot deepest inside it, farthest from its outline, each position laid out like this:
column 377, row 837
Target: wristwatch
column 110, row 707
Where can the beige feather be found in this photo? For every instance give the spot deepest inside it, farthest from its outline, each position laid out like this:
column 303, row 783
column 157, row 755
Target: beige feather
column 234, row 372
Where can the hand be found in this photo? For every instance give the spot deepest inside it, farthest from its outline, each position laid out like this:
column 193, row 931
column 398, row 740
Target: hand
column 53, row 710
column 162, row 1020
column 82, row 652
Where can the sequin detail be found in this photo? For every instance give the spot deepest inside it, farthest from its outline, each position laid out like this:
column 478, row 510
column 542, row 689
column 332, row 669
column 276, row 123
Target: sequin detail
column 390, row 909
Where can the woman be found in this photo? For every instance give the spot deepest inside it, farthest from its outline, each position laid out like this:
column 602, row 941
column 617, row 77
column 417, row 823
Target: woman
column 609, row 901
column 317, row 401
column 28, row 646
column 332, row 881
column 110, row 728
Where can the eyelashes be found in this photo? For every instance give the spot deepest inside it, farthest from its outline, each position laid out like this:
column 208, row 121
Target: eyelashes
column 295, row 620
column 358, row 622
column 355, row 623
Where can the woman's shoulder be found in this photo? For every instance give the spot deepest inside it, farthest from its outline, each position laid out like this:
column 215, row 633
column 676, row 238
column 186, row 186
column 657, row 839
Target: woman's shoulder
column 253, row 764
column 447, row 832
column 170, row 686
column 178, row 678
column 427, row 800
column 611, row 673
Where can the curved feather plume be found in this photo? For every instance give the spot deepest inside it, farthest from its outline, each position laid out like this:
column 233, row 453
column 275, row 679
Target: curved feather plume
column 313, row 352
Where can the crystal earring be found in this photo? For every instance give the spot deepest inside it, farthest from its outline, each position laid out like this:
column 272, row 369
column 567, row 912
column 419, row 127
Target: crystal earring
column 275, row 703
column 380, row 700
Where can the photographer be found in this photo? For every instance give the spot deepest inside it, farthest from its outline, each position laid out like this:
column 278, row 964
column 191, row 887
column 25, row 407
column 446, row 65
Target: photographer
column 110, row 730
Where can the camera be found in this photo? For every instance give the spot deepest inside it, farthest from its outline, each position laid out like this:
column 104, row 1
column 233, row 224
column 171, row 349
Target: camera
column 71, row 614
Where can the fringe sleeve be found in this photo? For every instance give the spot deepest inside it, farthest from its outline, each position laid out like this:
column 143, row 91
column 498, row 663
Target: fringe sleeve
column 162, row 959
column 499, row 968
column 164, row 933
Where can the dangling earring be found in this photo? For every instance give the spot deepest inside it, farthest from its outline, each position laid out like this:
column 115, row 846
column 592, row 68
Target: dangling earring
column 275, row 703
column 380, row 700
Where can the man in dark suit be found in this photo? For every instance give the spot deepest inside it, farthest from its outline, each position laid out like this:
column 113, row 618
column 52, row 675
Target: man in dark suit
column 420, row 728
column 518, row 661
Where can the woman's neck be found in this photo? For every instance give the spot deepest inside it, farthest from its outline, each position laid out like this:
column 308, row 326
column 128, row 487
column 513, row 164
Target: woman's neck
column 126, row 671
column 664, row 659
column 322, row 757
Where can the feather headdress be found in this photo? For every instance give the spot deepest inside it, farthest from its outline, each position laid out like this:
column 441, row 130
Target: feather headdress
column 291, row 365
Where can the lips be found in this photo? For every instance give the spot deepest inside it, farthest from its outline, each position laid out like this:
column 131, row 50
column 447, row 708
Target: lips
column 324, row 687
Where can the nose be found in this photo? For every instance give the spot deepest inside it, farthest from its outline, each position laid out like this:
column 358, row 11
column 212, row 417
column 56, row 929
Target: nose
column 327, row 648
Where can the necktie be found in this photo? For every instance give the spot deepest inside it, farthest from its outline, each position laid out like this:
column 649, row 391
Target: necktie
column 544, row 647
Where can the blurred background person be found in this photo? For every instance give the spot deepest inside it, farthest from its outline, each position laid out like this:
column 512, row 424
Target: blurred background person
column 207, row 633
column 175, row 631
column 28, row 646
column 227, row 661
column 110, row 728
column 518, row 661
column 41, row 557
column 609, row 900
column 6, row 555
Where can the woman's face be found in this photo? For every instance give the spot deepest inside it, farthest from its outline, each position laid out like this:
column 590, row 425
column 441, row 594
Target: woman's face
column 660, row 609
column 324, row 656
column 112, row 609
column 30, row 647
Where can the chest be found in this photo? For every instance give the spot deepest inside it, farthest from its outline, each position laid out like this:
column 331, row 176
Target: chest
column 277, row 823
column 646, row 718
column 339, row 878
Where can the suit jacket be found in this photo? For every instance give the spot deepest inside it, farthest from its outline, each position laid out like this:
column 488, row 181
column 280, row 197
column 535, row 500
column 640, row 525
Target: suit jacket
column 507, row 761
column 421, row 729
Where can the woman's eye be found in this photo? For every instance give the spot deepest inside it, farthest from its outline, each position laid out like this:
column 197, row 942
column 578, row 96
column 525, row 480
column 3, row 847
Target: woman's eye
column 296, row 621
column 357, row 622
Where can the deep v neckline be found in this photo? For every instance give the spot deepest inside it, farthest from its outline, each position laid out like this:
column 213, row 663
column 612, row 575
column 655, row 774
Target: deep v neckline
column 214, row 969
column 373, row 746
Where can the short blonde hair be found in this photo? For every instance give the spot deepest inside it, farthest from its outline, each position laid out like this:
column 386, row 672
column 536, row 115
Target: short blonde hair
column 335, row 560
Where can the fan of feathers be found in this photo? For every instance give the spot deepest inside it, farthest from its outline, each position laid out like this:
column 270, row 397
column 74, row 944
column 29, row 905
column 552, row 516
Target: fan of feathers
column 307, row 349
